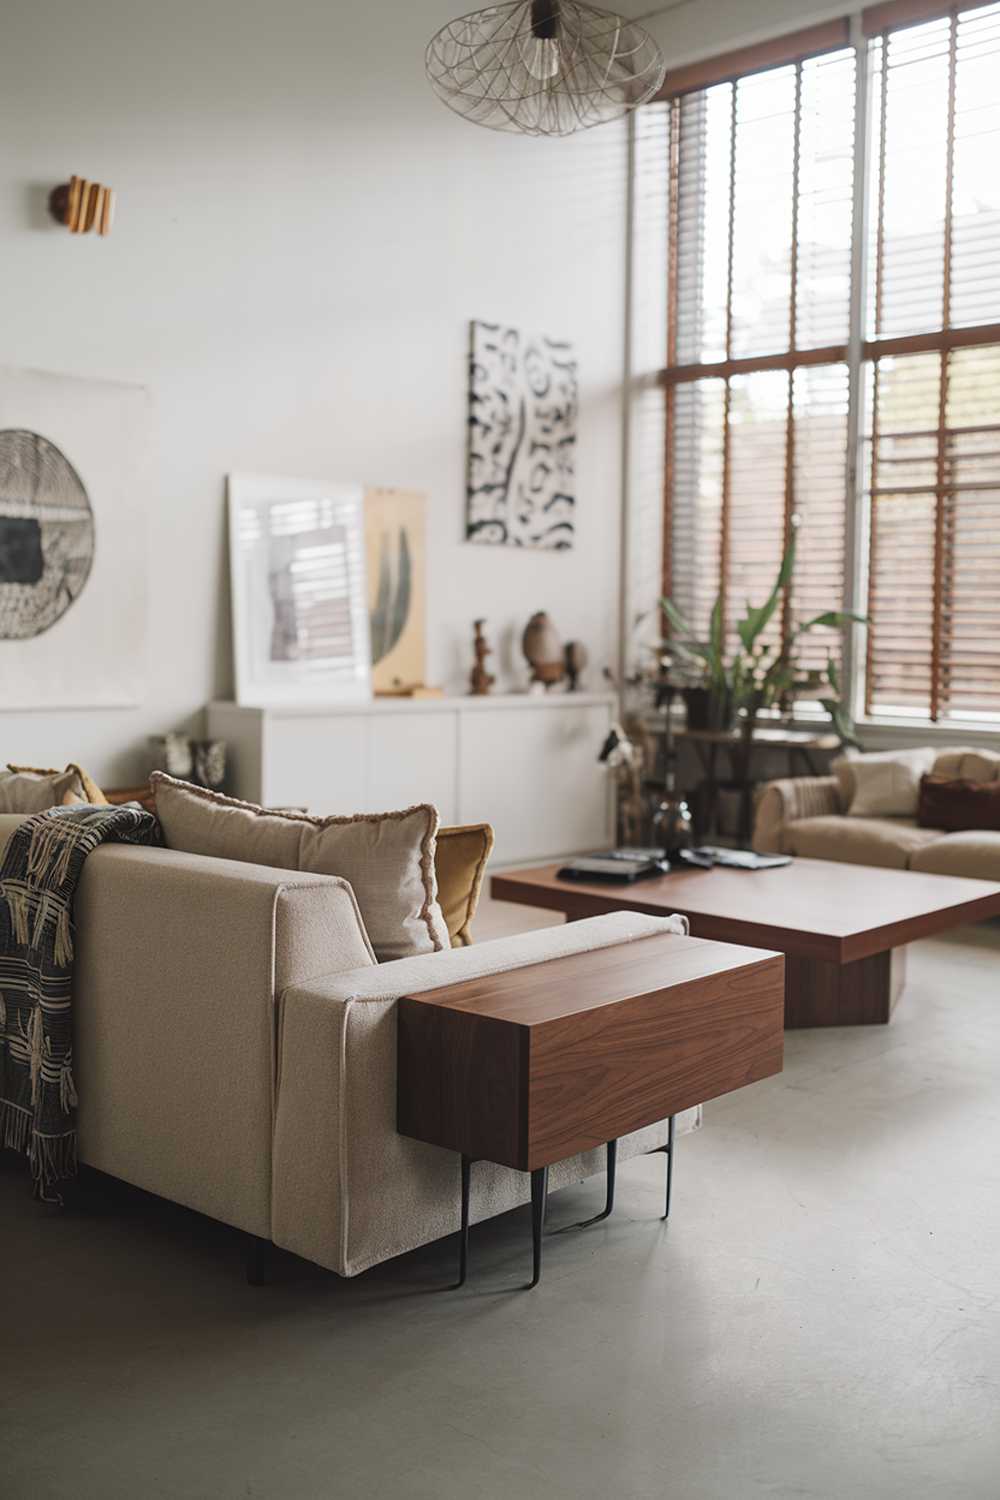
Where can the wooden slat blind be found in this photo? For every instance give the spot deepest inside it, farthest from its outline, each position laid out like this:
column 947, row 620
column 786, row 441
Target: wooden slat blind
column 761, row 191
column 890, row 14
column 934, row 375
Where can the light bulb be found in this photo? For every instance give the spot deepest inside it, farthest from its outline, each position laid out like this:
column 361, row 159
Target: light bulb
column 541, row 57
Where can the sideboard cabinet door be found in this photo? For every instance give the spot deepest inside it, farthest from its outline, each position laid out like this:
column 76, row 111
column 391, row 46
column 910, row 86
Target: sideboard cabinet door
column 533, row 774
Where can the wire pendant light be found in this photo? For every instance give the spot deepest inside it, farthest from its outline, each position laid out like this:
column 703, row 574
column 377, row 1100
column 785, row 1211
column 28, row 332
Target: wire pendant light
column 543, row 67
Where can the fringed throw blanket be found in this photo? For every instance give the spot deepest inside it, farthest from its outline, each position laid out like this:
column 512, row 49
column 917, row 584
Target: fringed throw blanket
column 41, row 866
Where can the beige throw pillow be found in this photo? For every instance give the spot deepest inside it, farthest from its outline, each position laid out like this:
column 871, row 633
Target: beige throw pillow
column 388, row 858
column 36, row 791
column 884, row 784
column 967, row 765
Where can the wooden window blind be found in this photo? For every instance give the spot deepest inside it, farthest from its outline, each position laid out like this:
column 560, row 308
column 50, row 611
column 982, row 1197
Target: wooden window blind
column 761, row 174
column 933, row 370
column 768, row 343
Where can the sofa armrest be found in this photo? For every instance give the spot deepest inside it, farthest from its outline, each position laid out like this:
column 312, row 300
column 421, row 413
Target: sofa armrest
column 782, row 802
column 179, row 960
column 348, row 1191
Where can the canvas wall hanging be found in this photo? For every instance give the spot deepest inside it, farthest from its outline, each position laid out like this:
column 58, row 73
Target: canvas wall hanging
column 521, row 488
column 396, row 548
column 299, row 596
column 74, row 482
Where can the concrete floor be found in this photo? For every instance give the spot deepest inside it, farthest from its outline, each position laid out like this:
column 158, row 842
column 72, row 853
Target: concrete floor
column 820, row 1319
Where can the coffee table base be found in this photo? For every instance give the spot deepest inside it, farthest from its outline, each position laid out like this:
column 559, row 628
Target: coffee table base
column 539, row 1198
column 861, row 993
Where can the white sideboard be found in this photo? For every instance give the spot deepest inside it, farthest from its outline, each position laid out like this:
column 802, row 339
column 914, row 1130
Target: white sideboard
column 528, row 765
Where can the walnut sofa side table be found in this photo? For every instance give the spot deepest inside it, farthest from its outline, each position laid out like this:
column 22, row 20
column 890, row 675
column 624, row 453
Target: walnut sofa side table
column 531, row 1066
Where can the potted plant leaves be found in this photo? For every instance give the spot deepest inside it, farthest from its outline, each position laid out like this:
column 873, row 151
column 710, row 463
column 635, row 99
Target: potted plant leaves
column 759, row 674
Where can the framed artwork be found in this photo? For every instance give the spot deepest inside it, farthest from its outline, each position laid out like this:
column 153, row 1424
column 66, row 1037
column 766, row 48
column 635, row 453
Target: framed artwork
column 521, row 487
column 396, row 548
column 74, row 485
column 299, row 597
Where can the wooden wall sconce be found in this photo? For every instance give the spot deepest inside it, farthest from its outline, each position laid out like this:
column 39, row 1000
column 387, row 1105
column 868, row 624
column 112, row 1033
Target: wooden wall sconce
column 83, row 206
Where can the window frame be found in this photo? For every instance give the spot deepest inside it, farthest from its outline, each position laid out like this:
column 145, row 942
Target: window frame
column 861, row 31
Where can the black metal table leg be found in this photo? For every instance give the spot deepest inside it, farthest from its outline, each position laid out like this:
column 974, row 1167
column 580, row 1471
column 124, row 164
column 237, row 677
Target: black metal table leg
column 539, row 1199
column 609, row 1200
column 539, row 1193
column 669, row 1151
column 463, row 1239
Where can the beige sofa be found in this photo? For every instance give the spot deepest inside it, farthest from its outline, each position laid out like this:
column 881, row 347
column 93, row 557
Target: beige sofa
column 807, row 816
column 235, row 1051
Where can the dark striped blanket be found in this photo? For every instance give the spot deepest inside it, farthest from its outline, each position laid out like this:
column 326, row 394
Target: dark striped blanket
column 41, row 866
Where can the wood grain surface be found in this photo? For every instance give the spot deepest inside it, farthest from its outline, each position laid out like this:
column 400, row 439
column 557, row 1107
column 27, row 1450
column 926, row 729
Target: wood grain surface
column 529, row 1067
column 812, row 908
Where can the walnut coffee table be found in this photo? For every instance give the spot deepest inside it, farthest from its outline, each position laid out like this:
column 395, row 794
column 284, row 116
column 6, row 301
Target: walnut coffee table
column 532, row 1066
column 842, row 928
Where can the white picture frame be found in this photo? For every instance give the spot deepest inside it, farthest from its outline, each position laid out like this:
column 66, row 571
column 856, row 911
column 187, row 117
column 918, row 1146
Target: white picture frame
column 299, row 591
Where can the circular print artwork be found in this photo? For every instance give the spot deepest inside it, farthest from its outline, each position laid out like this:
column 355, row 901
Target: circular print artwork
column 46, row 534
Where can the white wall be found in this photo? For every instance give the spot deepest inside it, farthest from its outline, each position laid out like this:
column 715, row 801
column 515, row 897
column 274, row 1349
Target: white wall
column 303, row 234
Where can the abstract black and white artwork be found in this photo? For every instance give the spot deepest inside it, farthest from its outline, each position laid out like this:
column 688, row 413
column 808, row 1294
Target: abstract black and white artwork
column 75, row 480
column 46, row 534
column 521, row 489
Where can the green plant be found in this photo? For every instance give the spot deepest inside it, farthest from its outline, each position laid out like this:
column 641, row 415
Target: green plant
column 758, row 675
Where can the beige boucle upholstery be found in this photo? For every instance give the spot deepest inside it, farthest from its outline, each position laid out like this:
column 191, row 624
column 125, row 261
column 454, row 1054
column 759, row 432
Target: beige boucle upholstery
column 235, row 1052
column 179, row 963
column 349, row 1191
column 806, row 816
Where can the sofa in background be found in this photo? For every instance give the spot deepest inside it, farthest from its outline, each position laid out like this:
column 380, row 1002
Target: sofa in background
column 809, row 816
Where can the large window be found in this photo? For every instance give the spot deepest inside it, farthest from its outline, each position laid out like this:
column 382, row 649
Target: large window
column 833, row 359
column 933, row 381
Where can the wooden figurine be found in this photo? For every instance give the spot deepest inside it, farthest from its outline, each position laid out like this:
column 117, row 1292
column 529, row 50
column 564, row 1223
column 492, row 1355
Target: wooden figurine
column 83, row 206
column 576, row 657
column 480, row 680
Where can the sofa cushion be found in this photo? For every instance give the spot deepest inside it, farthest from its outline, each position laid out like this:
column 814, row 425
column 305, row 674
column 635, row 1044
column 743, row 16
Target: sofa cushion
column 955, row 806
column 888, row 842
column 884, row 784
column 968, row 765
column 388, row 858
column 975, row 854
column 460, row 863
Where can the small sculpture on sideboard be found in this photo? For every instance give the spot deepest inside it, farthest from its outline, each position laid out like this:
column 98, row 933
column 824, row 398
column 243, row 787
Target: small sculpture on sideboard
column 480, row 681
column 543, row 650
column 576, row 657
column 202, row 762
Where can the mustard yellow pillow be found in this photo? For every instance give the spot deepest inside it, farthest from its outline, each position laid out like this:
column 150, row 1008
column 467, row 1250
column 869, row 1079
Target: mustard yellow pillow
column 460, row 863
